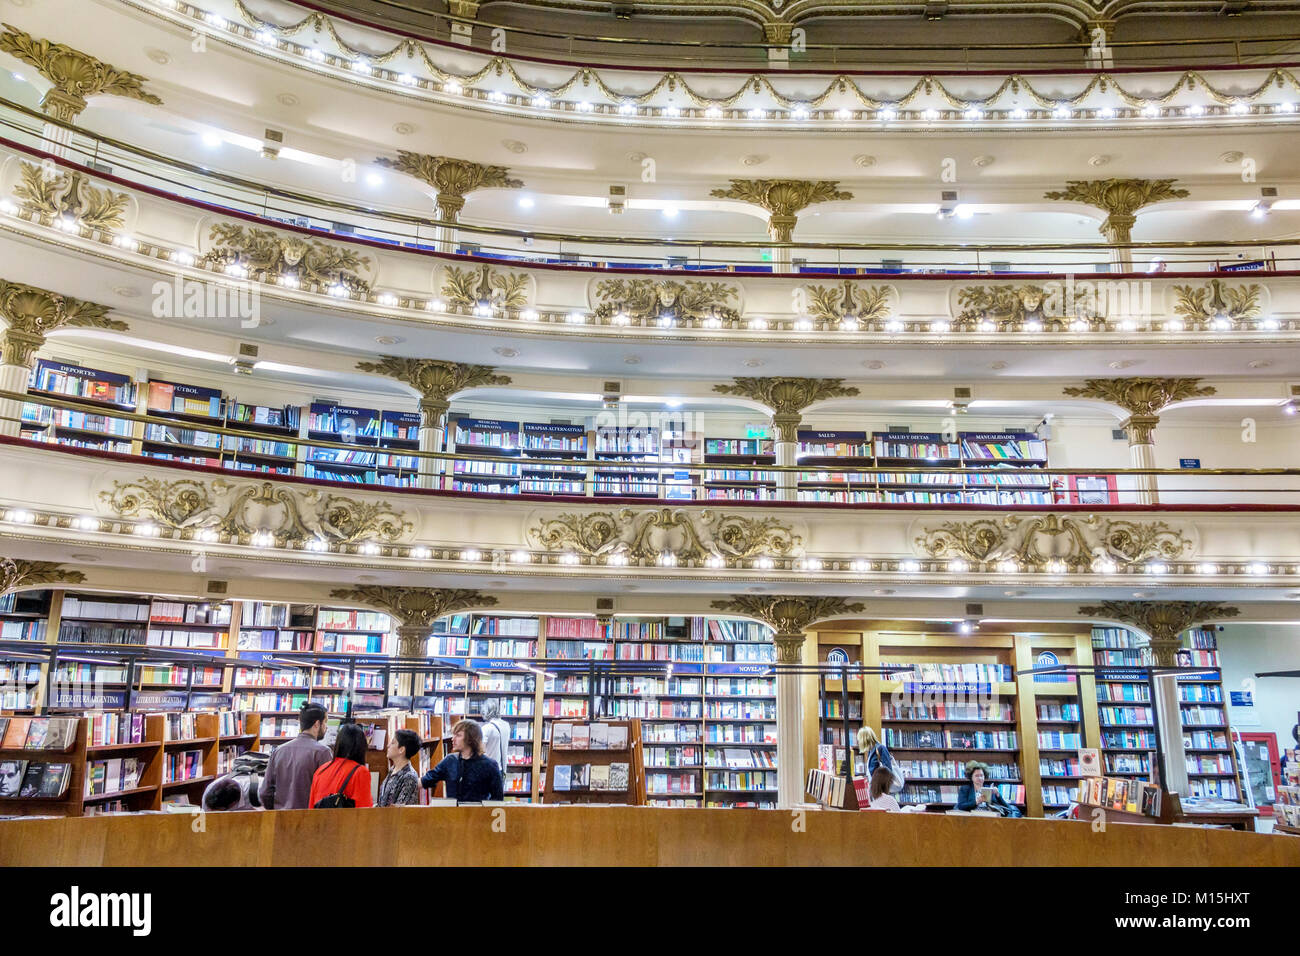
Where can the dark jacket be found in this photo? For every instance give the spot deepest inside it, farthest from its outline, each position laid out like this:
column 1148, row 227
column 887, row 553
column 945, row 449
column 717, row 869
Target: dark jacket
column 966, row 798
column 468, row 781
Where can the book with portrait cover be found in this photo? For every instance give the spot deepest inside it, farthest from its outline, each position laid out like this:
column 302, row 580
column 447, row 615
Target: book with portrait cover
column 36, row 733
column 578, row 776
column 12, row 773
column 618, row 776
column 562, row 737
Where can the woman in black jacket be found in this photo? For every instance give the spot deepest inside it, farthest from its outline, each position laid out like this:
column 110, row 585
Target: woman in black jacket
column 971, row 796
column 470, row 777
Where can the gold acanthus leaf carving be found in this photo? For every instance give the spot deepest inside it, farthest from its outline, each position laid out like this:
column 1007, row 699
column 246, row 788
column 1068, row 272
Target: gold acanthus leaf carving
column 788, row 616
column 1033, row 541
column 436, row 381
column 1214, row 300
column 415, row 608
column 19, row 573
column 1120, row 198
column 51, row 194
column 832, row 303
column 1163, row 621
column 276, row 255
column 645, row 300
column 783, row 197
column 75, row 75
column 239, row 512
column 643, row 535
column 31, row 313
column 484, row 286
column 452, row 178
column 1144, row 397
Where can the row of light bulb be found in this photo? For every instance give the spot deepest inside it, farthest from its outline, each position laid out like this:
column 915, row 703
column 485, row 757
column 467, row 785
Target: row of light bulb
column 884, row 114
column 847, row 323
column 265, row 539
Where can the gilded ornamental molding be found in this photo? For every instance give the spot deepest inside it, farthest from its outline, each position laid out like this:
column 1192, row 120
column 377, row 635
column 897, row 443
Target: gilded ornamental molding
column 692, row 537
column 782, row 198
column 1215, row 301
column 643, row 301
column 1162, row 621
column 473, row 288
column 436, row 381
column 414, row 608
column 242, row 513
column 48, row 194
column 1054, row 542
column 850, row 301
column 788, row 397
column 452, row 178
column 1120, row 199
column 20, row 574
column 789, row 617
column 75, row 75
column 272, row 256
column 1018, row 308
column 1144, row 398
column 31, row 313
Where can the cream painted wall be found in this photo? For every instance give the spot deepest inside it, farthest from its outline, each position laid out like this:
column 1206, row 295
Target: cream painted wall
column 1247, row 649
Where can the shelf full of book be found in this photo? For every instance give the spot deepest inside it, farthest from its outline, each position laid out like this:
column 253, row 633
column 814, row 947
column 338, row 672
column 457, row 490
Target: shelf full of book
column 483, row 436
column 1212, row 769
column 25, row 615
column 739, row 473
column 97, row 393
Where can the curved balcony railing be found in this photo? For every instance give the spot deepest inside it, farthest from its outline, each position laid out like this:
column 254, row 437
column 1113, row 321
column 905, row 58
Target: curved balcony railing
column 596, row 475
column 25, row 132
column 596, row 48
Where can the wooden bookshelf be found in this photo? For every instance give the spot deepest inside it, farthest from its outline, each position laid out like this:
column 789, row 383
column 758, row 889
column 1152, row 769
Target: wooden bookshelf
column 635, row 792
column 740, row 473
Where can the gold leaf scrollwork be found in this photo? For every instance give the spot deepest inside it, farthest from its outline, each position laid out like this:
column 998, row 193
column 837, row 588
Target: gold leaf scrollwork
column 832, row 303
column 1034, row 541
column 294, row 517
column 643, row 535
column 50, row 194
column 1214, row 300
column 645, row 300
column 275, row 255
column 16, row 573
column 1010, row 306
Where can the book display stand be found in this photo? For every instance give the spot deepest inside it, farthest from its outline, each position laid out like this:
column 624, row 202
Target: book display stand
column 587, row 769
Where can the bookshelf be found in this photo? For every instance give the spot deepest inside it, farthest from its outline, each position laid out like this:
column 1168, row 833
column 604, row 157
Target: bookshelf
column 190, row 407
column 739, row 475
column 344, row 425
column 142, row 621
column 264, row 441
column 596, row 762
column 1212, row 769
column 822, row 451
column 93, row 426
column 24, row 615
column 1125, row 710
column 1286, row 808
column 486, row 436
column 679, row 447
column 1059, row 709
column 917, row 450
column 1011, row 459
column 627, row 462
column 549, row 454
column 398, row 432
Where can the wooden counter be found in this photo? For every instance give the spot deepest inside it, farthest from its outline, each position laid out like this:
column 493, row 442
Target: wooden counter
column 618, row 836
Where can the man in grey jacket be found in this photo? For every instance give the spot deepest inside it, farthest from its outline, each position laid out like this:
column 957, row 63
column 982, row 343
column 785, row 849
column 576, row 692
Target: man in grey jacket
column 287, row 783
column 496, row 733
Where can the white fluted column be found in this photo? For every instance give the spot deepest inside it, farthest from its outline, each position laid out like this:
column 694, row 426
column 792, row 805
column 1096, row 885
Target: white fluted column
column 1169, row 720
column 433, row 438
column 786, row 447
column 789, row 722
column 17, row 353
column 1142, row 454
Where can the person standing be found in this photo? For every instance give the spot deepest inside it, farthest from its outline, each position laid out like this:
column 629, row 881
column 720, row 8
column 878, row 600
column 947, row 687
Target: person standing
column 874, row 751
column 401, row 788
column 496, row 734
column 470, row 777
column 287, row 783
column 347, row 774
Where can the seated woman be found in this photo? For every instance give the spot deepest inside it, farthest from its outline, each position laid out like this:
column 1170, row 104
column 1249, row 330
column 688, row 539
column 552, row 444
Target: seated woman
column 878, row 790
column 470, row 777
column 974, row 796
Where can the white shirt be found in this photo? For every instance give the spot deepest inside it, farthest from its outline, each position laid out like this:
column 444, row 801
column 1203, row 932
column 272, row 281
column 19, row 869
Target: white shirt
column 495, row 734
column 884, row 802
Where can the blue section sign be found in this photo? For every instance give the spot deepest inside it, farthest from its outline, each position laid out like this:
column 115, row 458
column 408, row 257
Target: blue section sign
column 1189, row 463
column 1241, row 698
column 946, row 687
column 77, row 699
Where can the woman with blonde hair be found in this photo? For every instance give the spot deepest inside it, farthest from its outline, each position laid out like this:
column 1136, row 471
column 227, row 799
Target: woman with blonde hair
column 877, row 755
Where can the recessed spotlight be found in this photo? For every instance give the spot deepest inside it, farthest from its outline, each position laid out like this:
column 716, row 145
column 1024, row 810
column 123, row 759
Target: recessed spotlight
column 471, row 554
column 909, row 566
column 670, row 212
column 211, row 140
column 764, row 563
column 526, row 202
column 859, row 564
column 1157, row 567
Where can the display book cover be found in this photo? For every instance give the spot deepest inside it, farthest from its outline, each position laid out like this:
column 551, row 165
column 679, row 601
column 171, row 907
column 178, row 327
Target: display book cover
column 38, row 733
column 40, row 780
column 593, row 736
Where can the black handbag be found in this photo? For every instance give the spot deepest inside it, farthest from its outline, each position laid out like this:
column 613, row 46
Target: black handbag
column 339, row 800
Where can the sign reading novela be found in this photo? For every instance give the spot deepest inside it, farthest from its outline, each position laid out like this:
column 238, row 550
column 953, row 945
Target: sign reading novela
column 219, row 299
column 76, row 909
